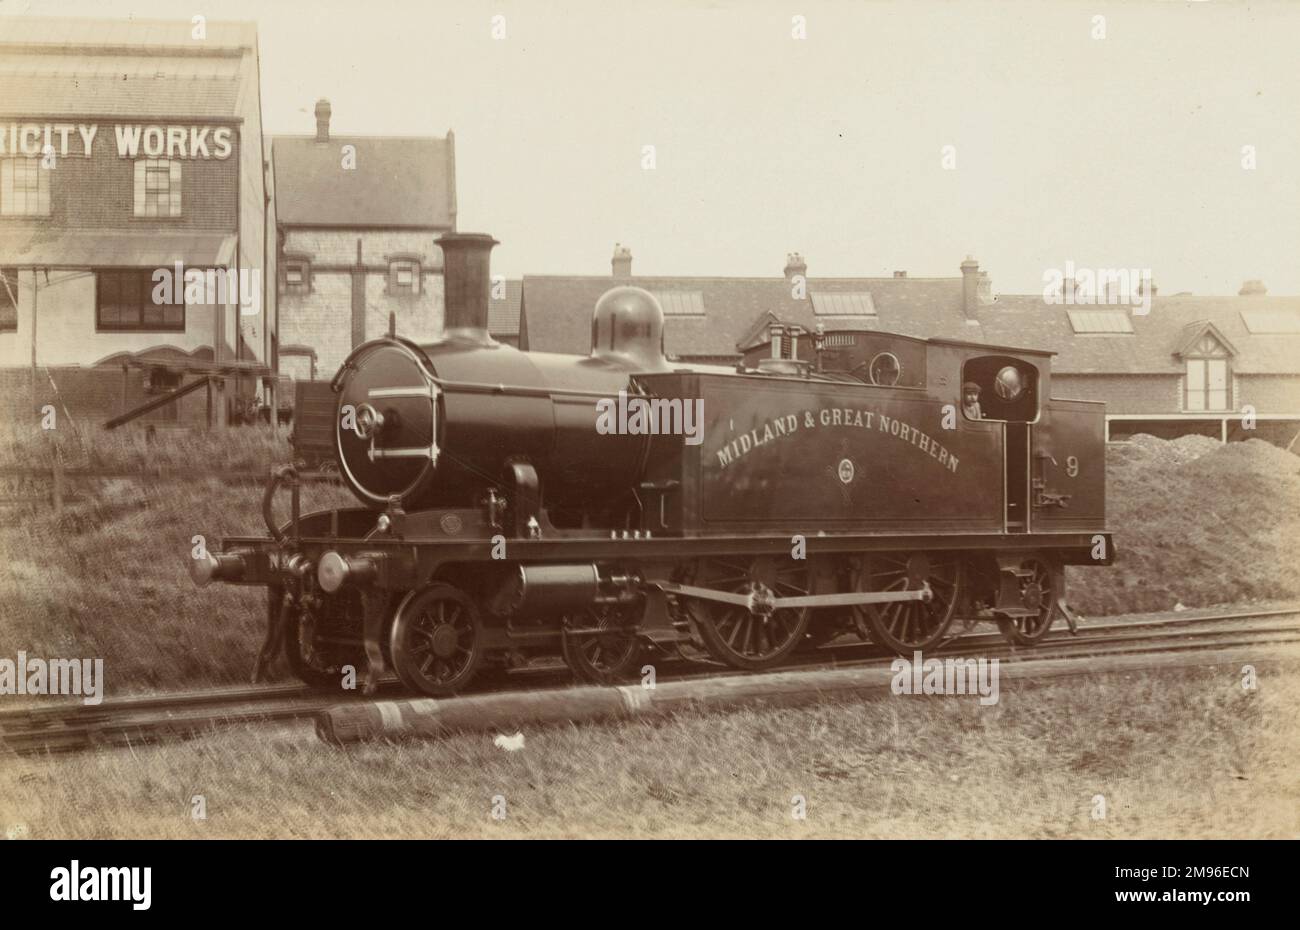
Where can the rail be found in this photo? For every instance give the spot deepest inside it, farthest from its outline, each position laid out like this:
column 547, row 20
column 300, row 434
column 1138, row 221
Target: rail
column 62, row 727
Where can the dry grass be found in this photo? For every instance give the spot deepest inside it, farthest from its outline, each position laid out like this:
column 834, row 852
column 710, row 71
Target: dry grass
column 1179, row 754
column 241, row 449
column 1196, row 523
column 110, row 578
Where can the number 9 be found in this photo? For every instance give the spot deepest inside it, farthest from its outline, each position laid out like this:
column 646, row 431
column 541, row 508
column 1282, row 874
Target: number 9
column 1072, row 466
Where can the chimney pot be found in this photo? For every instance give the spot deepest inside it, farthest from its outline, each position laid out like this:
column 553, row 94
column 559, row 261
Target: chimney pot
column 1252, row 288
column 970, row 289
column 466, row 284
column 621, row 263
column 794, row 265
column 322, row 120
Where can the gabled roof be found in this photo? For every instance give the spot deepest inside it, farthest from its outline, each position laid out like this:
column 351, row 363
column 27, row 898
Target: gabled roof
column 52, row 67
column 1193, row 333
column 1157, row 336
column 399, row 182
column 77, row 34
column 736, row 310
column 75, row 94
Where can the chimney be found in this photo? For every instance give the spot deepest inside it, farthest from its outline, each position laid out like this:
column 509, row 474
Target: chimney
column 794, row 265
column 970, row 287
column 1252, row 288
column 1144, row 284
column 466, row 282
column 322, row 120
column 900, row 274
column 1069, row 289
column 621, row 263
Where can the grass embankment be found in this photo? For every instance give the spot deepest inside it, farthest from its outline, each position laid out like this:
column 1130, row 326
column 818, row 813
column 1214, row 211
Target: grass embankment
column 1175, row 754
column 110, row 579
column 1195, row 523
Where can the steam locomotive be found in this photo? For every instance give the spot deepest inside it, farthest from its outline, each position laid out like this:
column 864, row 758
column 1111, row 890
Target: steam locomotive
column 609, row 505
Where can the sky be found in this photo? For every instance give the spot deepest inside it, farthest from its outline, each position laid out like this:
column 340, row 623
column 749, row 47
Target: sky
column 892, row 136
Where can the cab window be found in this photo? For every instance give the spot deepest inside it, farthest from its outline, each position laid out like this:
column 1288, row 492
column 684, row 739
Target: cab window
column 999, row 387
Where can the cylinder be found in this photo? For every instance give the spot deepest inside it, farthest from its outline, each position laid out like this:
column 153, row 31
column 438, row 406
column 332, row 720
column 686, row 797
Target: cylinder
column 547, row 589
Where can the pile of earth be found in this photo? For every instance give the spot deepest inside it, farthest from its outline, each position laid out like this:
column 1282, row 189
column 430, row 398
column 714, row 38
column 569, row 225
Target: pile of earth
column 1196, row 523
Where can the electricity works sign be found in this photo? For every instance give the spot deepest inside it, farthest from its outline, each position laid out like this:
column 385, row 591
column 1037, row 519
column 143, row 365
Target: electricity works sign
column 133, row 140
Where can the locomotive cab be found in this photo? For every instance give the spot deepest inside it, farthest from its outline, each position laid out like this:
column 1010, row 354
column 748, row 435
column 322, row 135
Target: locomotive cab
column 1008, row 394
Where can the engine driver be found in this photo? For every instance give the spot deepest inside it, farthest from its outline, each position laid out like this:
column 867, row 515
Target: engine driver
column 970, row 400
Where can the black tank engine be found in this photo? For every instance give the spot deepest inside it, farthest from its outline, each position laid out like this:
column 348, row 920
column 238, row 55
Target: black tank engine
column 610, row 504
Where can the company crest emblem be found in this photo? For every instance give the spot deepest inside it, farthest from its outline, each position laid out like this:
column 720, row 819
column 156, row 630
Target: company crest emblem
column 452, row 524
column 846, row 470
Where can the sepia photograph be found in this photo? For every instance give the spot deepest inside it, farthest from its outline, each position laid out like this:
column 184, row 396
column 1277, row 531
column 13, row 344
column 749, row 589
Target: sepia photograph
column 665, row 420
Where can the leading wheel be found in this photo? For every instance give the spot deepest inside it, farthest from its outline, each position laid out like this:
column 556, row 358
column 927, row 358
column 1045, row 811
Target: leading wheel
column 905, row 627
column 757, row 639
column 600, row 643
column 436, row 640
column 1038, row 592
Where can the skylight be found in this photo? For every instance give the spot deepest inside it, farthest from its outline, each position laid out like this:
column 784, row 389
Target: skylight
column 681, row 303
column 843, row 304
column 1271, row 321
column 1100, row 322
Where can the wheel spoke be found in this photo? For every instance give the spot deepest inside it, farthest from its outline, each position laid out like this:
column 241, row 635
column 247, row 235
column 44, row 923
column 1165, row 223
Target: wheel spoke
column 605, row 656
column 435, row 640
column 906, row 626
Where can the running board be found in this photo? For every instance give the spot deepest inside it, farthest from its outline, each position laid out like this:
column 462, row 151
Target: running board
column 753, row 602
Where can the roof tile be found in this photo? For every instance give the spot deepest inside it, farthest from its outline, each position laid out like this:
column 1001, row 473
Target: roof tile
column 559, row 309
column 738, row 310
column 396, row 182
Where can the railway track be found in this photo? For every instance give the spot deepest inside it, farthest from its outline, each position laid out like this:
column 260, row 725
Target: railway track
column 125, row 722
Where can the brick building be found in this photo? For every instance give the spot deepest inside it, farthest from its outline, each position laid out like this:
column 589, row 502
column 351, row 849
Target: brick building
column 127, row 147
column 715, row 319
column 357, row 217
column 719, row 319
column 1227, row 367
